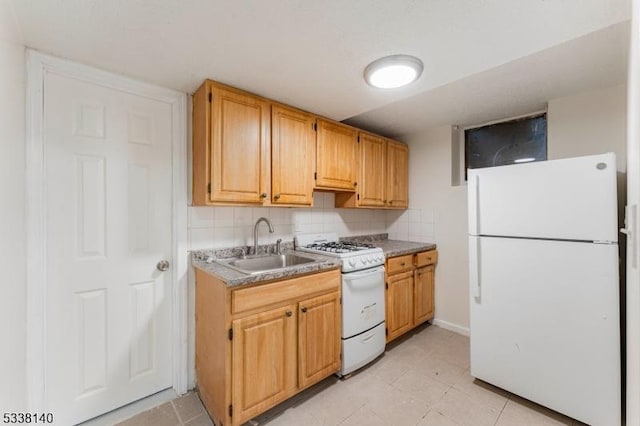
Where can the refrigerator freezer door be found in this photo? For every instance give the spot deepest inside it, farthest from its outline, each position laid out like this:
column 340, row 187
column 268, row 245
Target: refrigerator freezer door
column 546, row 324
column 573, row 199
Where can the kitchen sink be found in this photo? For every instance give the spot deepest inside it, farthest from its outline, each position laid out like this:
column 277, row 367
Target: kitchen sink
column 256, row 265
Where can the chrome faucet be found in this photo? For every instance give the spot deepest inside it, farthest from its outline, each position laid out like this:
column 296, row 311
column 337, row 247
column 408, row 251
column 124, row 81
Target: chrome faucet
column 255, row 232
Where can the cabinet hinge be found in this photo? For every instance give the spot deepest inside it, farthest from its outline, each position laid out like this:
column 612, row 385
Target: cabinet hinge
column 230, row 410
column 315, row 127
column 341, row 300
column 358, row 138
column 210, row 97
column 209, row 188
column 315, row 175
column 358, row 195
column 386, row 331
column 231, row 334
column 386, row 285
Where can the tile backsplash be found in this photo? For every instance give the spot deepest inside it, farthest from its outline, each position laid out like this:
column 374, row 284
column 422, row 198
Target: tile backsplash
column 217, row 227
column 411, row 225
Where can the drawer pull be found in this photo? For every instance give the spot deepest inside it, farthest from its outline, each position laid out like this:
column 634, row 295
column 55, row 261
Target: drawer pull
column 288, row 313
column 304, row 310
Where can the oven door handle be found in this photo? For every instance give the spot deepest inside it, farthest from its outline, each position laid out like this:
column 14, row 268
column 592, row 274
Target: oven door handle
column 363, row 274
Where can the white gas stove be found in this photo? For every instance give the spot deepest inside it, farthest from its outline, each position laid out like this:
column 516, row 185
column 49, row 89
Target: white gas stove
column 363, row 313
column 355, row 256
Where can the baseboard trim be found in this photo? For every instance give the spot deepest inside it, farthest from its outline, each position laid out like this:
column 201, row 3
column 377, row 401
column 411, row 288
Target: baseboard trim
column 451, row 327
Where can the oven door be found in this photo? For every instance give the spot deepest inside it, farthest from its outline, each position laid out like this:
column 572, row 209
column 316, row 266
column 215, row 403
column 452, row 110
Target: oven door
column 362, row 300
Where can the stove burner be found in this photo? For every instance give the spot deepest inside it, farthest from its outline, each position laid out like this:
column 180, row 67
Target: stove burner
column 340, row 246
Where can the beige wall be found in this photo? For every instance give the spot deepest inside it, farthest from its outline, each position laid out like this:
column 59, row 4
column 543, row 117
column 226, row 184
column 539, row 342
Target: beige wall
column 588, row 123
column 12, row 238
column 430, row 191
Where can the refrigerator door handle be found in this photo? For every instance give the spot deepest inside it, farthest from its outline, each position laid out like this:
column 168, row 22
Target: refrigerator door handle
column 630, row 222
column 474, row 208
column 474, row 266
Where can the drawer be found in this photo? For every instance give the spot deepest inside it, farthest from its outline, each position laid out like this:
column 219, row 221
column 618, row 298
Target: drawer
column 426, row 258
column 246, row 299
column 399, row 264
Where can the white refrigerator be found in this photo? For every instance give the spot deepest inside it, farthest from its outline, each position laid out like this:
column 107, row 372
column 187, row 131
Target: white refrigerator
column 544, row 287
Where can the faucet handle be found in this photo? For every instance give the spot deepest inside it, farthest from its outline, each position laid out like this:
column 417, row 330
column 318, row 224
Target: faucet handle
column 243, row 252
column 278, row 241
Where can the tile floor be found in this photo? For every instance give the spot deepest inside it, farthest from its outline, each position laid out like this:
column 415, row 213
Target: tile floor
column 421, row 380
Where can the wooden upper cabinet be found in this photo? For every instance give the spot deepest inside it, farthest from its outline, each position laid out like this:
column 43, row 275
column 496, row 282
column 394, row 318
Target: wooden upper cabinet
column 336, row 156
column 383, row 175
column 372, row 179
column 231, row 146
column 251, row 151
column 293, row 148
column 397, row 175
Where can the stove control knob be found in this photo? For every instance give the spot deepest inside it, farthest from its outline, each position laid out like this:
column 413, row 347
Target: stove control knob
column 352, row 263
column 363, row 260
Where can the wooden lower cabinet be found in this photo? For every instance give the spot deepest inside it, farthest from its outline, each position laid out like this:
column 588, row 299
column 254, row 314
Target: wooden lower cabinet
column 257, row 346
column 423, row 294
column 409, row 291
column 399, row 304
column 318, row 338
column 264, row 361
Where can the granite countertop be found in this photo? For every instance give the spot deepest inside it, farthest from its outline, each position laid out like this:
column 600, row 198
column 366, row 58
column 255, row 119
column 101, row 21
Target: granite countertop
column 393, row 248
column 203, row 260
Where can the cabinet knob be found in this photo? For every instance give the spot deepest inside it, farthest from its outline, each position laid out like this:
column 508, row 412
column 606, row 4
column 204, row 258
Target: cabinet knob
column 402, row 264
column 385, row 201
column 355, row 183
column 304, row 310
column 288, row 313
column 263, row 195
column 277, row 196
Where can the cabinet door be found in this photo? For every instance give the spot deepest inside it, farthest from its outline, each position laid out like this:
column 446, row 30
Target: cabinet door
column 399, row 304
column 264, row 361
column 240, row 147
column 397, row 175
column 319, row 338
column 336, row 156
column 371, row 183
column 292, row 156
column 423, row 296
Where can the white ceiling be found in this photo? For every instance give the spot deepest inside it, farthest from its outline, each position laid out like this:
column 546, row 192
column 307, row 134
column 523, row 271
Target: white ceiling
column 484, row 59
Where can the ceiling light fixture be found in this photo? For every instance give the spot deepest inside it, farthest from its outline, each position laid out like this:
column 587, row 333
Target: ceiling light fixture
column 393, row 71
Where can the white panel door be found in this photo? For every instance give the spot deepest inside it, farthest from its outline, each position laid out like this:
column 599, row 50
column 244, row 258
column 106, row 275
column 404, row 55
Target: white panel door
column 545, row 323
column 572, row 198
column 108, row 223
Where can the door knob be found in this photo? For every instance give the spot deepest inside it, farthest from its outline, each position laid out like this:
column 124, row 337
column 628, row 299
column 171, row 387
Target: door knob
column 163, row 265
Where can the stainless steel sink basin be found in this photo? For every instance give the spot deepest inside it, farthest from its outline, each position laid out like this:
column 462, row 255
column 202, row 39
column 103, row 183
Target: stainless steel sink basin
column 256, row 265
